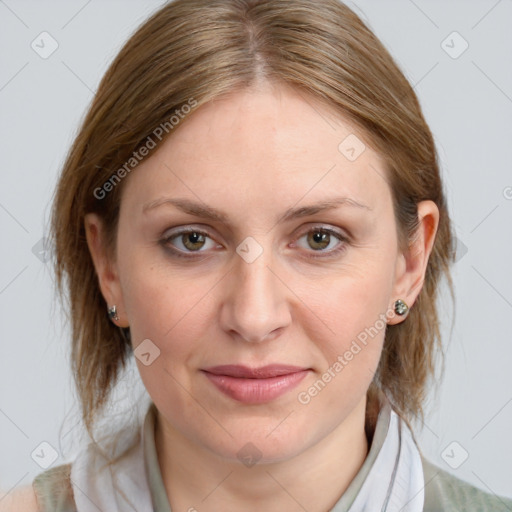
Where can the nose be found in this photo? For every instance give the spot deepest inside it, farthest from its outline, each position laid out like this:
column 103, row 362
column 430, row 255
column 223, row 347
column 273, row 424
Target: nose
column 255, row 303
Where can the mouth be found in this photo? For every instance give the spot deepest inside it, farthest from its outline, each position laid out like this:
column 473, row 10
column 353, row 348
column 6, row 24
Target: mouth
column 255, row 385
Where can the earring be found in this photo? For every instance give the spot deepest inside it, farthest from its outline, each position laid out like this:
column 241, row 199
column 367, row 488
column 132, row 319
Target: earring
column 112, row 313
column 401, row 307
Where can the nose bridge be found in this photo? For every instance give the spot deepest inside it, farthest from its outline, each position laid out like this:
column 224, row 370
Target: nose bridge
column 256, row 305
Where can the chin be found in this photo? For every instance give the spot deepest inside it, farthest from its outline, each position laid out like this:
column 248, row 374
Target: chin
column 262, row 441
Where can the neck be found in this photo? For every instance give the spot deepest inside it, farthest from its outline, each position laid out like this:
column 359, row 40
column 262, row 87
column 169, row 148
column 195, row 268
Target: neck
column 314, row 480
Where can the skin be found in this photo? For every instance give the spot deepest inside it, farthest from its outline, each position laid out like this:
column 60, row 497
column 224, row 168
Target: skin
column 19, row 500
column 253, row 155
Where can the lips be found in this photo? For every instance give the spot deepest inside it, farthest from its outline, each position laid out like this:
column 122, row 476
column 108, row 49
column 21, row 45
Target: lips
column 244, row 372
column 255, row 385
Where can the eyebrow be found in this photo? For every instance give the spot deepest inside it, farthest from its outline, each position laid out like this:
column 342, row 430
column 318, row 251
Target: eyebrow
column 208, row 212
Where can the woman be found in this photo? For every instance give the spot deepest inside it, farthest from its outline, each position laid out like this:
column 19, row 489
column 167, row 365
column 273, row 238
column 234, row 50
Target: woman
column 253, row 210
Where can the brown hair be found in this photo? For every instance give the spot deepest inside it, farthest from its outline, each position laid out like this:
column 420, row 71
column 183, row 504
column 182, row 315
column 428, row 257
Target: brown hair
column 200, row 50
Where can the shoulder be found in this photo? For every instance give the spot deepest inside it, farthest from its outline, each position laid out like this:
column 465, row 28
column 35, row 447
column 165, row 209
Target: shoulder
column 447, row 493
column 20, row 500
column 53, row 490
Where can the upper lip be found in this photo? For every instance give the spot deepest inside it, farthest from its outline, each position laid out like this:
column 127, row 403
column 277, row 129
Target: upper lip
column 263, row 372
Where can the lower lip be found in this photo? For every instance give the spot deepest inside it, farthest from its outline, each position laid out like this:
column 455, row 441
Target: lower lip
column 256, row 391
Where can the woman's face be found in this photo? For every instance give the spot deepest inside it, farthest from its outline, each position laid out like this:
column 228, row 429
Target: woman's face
column 261, row 233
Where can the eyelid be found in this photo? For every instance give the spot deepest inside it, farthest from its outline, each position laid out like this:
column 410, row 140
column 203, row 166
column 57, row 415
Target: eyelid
column 178, row 230
column 341, row 235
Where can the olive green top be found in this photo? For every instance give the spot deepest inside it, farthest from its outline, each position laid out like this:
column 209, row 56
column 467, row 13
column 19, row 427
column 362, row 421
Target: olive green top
column 443, row 491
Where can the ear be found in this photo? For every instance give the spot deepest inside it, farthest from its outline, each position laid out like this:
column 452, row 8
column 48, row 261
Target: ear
column 105, row 265
column 411, row 267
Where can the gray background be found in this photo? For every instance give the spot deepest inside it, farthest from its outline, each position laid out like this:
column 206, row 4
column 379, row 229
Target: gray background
column 467, row 101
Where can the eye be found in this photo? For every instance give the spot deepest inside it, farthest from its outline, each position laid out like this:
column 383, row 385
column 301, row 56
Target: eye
column 185, row 242
column 188, row 241
column 323, row 240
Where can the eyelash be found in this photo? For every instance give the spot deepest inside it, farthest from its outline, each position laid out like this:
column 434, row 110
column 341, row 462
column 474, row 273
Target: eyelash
column 321, row 254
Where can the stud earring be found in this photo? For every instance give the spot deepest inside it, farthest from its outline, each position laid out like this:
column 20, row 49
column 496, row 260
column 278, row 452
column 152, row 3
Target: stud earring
column 112, row 313
column 401, row 307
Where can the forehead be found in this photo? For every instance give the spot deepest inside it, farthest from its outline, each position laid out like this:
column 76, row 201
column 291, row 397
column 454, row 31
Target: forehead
column 266, row 146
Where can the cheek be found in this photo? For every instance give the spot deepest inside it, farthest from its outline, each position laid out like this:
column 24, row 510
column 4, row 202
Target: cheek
column 352, row 309
column 155, row 296
column 349, row 354
column 353, row 301
column 174, row 310
column 172, row 314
